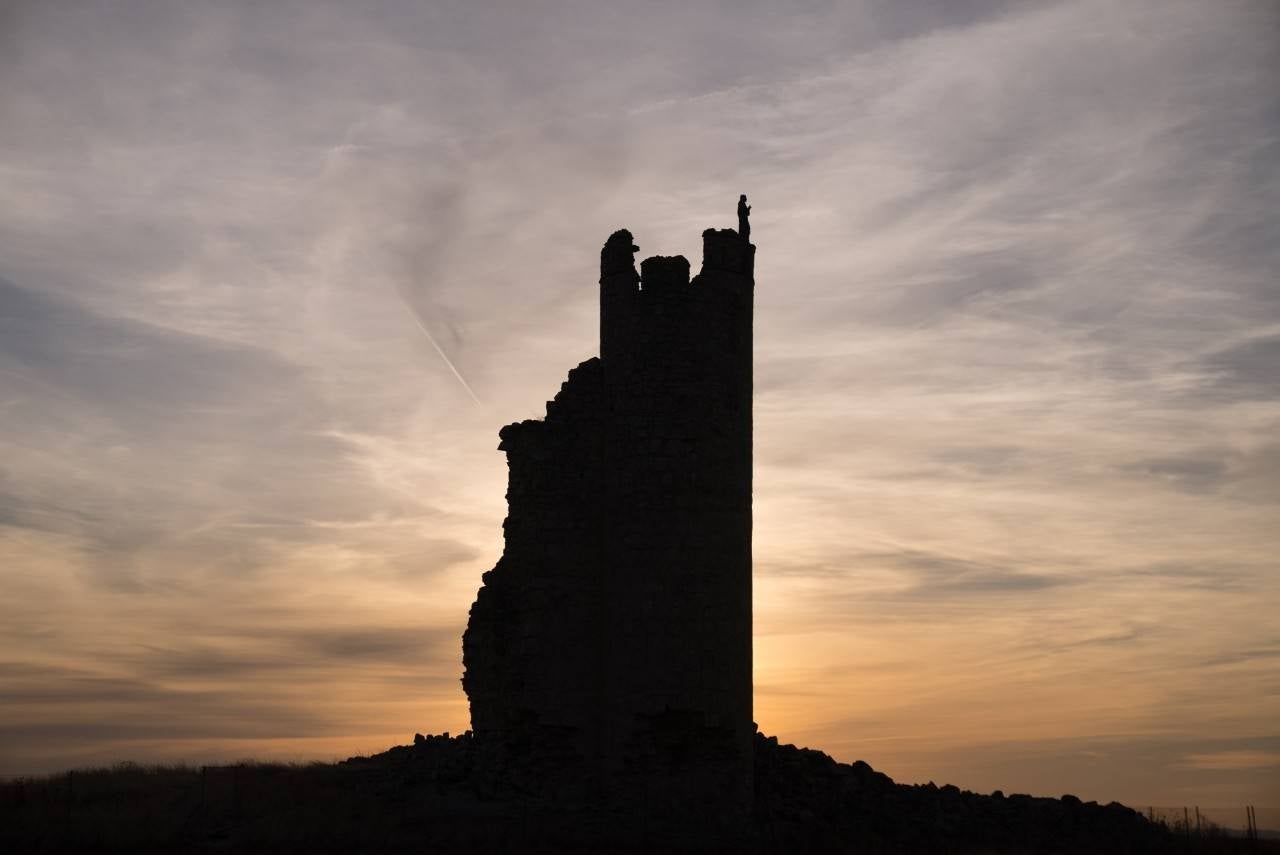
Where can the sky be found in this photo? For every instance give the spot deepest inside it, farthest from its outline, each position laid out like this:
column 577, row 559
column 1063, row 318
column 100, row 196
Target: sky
column 272, row 276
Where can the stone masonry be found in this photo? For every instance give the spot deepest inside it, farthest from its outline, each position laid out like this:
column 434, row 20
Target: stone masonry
column 616, row 626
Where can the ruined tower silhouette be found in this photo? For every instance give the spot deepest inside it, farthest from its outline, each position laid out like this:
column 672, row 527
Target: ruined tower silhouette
column 616, row 626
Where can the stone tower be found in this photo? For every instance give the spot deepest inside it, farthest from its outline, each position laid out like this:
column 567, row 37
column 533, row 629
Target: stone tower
column 615, row 630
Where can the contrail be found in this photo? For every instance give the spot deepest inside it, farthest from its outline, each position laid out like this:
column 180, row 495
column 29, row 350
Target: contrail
column 432, row 339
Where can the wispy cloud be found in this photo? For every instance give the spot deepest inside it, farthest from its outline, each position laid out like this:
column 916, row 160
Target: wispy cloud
column 1235, row 760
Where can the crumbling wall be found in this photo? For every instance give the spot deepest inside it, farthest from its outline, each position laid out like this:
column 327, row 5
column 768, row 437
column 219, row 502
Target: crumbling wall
column 617, row 624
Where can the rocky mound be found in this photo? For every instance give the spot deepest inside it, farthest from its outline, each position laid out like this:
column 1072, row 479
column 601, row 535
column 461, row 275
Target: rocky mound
column 804, row 801
column 446, row 794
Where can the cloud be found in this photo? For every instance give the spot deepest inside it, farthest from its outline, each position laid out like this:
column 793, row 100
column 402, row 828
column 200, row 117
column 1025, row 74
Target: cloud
column 1222, row 577
column 1246, row 370
column 1235, row 760
column 1194, row 473
column 1245, row 656
column 939, row 576
column 238, row 433
column 138, row 378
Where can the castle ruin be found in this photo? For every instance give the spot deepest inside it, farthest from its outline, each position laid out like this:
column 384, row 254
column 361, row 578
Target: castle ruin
column 616, row 626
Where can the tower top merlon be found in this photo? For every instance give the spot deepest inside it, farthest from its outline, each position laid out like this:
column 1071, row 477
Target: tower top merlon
column 725, row 250
column 618, row 256
column 664, row 274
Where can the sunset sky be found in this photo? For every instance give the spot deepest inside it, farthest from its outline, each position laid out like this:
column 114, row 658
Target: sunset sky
column 272, row 276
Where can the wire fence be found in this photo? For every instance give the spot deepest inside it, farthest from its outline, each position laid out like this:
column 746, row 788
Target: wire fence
column 1196, row 821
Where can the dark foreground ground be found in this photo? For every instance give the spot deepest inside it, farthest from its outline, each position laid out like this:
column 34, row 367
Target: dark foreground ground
column 435, row 796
